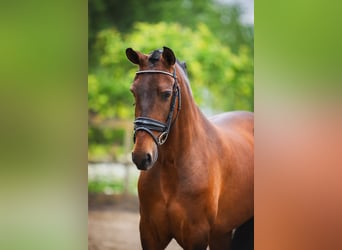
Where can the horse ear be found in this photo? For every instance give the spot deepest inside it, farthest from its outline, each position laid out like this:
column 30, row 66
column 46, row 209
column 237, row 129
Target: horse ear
column 132, row 55
column 169, row 56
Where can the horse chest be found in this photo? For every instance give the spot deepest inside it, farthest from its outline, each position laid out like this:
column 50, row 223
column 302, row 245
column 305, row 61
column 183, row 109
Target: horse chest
column 184, row 211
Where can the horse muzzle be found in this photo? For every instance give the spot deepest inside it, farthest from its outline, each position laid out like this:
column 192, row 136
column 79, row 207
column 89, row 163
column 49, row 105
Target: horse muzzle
column 143, row 161
column 145, row 152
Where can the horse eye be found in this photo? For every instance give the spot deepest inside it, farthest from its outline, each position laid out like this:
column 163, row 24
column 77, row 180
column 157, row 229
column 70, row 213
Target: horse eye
column 166, row 94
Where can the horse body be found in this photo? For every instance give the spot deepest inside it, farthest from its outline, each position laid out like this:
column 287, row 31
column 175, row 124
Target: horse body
column 201, row 185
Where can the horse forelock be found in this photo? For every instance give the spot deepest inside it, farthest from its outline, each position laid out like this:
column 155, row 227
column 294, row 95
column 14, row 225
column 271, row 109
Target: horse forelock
column 155, row 56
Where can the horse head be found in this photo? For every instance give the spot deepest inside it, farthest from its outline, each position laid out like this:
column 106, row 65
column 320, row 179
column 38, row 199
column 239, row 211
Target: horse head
column 156, row 93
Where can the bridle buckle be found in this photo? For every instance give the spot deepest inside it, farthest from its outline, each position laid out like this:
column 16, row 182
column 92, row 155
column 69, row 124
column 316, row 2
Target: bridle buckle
column 162, row 138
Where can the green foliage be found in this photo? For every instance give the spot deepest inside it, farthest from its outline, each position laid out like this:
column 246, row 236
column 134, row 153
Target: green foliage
column 108, row 83
column 220, row 79
column 222, row 19
column 107, row 135
column 105, row 186
column 112, row 186
column 105, row 144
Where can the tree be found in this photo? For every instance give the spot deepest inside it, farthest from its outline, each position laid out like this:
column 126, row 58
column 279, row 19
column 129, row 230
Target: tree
column 222, row 19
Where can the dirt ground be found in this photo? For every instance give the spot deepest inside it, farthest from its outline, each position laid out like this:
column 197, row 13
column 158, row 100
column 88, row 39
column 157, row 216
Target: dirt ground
column 113, row 224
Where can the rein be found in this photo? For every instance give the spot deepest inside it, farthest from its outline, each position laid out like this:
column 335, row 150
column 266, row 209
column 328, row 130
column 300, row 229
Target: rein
column 148, row 124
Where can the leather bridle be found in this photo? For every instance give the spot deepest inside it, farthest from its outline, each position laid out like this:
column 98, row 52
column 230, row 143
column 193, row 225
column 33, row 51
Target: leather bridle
column 148, row 124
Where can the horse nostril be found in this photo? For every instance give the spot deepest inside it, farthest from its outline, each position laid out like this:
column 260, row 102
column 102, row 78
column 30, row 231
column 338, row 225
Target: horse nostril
column 148, row 158
column 142, row 161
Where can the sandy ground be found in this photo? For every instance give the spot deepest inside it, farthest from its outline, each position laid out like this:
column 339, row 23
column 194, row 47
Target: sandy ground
column 113, row 224
column 116, row 226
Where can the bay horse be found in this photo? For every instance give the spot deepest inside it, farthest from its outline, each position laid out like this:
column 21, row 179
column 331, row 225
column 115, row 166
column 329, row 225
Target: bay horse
column 196, row 181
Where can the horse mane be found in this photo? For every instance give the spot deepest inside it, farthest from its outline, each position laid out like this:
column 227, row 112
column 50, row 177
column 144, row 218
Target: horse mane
column 183, row 66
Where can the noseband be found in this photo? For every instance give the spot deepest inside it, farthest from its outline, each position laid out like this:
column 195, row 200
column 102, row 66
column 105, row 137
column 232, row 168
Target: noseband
column 148, row 124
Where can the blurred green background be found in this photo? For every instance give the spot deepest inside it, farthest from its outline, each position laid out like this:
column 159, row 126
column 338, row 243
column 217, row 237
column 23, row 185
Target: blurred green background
column 209, row 35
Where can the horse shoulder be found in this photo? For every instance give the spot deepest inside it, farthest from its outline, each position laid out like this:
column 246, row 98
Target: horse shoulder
column 236, row 134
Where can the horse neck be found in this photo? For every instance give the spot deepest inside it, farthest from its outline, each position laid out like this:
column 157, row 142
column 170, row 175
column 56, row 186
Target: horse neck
column 187, row 127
